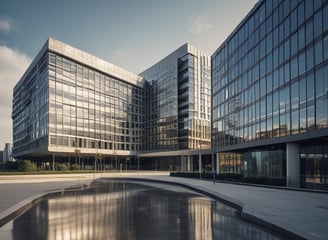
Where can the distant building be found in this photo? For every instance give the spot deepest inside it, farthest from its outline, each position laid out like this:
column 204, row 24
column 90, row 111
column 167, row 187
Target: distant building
column 1, row 157
column 270, row 94
column 7, row 154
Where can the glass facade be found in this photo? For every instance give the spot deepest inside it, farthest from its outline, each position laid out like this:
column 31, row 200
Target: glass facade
column 90, row 109
column 178, row 101
column 30, row 109
column 71, row 104
column 69, row 100
column 269, row 78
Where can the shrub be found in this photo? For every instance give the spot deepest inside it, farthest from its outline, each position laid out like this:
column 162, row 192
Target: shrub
column 62, row 167
column 26, row 166
column 75, row 167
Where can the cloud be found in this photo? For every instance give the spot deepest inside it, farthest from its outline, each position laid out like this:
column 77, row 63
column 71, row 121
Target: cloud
column 200, row 24
column 12, row 66
column 6, row 25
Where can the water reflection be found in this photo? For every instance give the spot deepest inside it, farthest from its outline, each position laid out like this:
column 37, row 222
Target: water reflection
column 117, row 210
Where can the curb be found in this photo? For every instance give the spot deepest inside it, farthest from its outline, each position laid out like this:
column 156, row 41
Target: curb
column 21, row 207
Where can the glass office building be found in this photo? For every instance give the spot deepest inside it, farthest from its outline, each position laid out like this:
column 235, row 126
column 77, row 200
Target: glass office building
column 178, row 109
column 71, row 103
column 72, row 107
column 269, row 94
column 179, row 101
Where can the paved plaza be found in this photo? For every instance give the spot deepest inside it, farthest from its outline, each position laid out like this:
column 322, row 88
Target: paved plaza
column 300, row 213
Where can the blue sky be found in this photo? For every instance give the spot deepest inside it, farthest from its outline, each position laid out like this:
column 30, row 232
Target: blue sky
column 131, row 34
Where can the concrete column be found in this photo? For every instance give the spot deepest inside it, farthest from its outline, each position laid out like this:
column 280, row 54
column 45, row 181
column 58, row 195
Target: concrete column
column 188, row 163
column 218, row 163
column 53, row 162
column 183, row 164
column 293, row 165
column 200, row 164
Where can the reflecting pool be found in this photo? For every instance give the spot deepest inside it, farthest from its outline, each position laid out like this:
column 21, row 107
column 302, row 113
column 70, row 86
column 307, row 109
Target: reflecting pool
column 131, row 210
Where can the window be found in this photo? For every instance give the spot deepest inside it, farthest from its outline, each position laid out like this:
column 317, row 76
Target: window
column 301, row 38
column 269, row 104
column 310, row 117
column 293, row 21
column 309, row 58
column 276, row 102
column 294, row 48
column 308, row 9
column 301, row 63
column 325, row 46
column 295, row 122
column 300, row 13
column 287, row 26
column 309, row 31
column 318, row 23
column 303, row 119
column 310, row 87
column 325, row 18
column 321, row 113
column 302, row 88
column 294, row 67
column 318, row 52
column 294, row 95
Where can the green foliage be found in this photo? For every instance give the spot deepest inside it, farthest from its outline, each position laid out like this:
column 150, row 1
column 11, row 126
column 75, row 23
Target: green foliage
column 62, row 167
column 75, row 167
column 26, row 166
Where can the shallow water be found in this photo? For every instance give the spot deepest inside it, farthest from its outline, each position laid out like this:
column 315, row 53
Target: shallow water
column 127, row 210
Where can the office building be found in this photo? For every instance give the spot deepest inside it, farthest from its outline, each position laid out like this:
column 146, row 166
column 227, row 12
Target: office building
column 269, row 94
column 178, row 107
column 72, row 107
column 70, row 104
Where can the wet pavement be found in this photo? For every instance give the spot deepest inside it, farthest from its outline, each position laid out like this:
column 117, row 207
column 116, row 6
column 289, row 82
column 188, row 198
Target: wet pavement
column 113, row 209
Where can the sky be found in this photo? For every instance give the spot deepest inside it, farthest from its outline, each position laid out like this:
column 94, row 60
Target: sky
column 133, row 34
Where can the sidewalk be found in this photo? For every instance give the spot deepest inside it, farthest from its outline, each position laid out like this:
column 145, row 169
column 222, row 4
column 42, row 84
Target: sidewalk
column 304, row 214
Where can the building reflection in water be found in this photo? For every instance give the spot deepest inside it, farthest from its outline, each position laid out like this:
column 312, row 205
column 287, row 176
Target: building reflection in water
column 117, row 210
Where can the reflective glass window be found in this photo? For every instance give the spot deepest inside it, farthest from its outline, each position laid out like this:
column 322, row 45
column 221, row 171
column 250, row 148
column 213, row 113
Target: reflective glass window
column 318, row 23
column 302, row 88
column 294, row 47
column 309, row 31
column 325, row 47
column 303, row 119
column 308, row 9
column 301, row 38
column 310, row 117
column 300, row 13
column 293, row 20
column 325, row 18
column 322, row 113
column 309, row 58
column 310, row 87
column 294, row 95
column 318, row 52
column 301, row 63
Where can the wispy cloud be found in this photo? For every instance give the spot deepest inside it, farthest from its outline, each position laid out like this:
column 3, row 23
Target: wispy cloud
column 200, row 24
column 6, row 24
column 13, row 63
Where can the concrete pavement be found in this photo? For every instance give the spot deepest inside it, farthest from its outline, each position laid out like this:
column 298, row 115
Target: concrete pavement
column 302, row 215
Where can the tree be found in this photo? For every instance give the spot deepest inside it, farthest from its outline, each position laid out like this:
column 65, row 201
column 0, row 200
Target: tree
column 26, row 166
